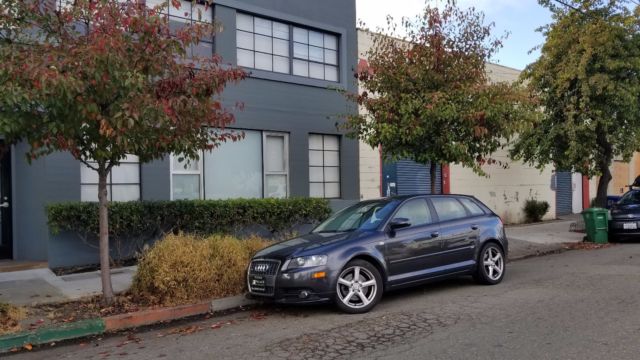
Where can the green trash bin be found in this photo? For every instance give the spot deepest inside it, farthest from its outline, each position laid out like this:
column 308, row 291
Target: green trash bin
column 596, row 222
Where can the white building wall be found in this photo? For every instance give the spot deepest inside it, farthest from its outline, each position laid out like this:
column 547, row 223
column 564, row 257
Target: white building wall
column 506, row 190
column 369, row 172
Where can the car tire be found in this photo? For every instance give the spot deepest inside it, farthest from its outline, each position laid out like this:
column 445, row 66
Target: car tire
column 491, row 265
column 356, row 297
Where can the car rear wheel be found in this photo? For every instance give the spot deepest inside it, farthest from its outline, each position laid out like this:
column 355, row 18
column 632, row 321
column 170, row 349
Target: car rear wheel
column 491, row 265
column 359, row 287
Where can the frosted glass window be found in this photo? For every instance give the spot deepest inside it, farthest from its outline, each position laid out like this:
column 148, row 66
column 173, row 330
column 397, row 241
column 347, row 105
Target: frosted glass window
column 330, row 42
column 245, row 58
column 316, row 54
column 324, row 166
column 262, row 26
column 281, row 47
column 331, row 57
column 300, row 51
column 316, row 38
column 244, row 40
column 316, row 70
column 281, row 31
column 123, row 182
column 320, row 49
column 300, row 35
column 244, row 22
column 234, row 169
column 186, row 186
column 276, row 186
column 264, row 62
column 274, row 153
column 262, row 44
column 281, row 64
column 330, row 73
column 300, row 68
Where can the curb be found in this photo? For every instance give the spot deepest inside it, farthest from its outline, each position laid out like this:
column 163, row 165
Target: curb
column 98, row 326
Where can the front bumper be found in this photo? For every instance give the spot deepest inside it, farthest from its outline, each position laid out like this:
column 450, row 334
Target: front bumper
column 298, row 286
column 617, row 227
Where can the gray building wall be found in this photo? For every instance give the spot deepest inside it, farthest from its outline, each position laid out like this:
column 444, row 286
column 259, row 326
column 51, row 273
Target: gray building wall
column 272, row 101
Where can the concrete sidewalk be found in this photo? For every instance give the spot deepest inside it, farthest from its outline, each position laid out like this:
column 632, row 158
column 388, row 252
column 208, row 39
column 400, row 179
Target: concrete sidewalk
column 41, row 286
column 540, row 238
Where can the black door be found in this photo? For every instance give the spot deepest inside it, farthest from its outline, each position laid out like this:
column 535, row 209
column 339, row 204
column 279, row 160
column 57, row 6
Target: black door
column 6, row 236
column 458, row 230
column 412, row 251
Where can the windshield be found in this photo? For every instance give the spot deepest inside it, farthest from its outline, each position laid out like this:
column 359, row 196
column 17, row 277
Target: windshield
column 632, row 197
column 362, row 216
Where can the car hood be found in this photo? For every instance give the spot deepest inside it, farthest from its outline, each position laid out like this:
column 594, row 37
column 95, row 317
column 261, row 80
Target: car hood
column 302, row 244
column 625, row 211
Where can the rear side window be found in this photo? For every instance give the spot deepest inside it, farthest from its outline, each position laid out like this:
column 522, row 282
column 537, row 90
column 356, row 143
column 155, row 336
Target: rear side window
column 416, row 211
column 448, row 208
column 471, row 205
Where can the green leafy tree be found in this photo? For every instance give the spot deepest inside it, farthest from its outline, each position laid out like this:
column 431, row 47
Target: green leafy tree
column 101, row 79
column 427, row 96
column 588, row 82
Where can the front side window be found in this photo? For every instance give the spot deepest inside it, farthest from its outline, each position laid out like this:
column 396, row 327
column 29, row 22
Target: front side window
column 448, row 208
column 267, row 45
column 324, row 166
column 123, row 183
column 416, row 211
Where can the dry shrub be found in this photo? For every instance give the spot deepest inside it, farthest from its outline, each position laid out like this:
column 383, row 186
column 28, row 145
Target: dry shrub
column 182, row 269
column 10, row 317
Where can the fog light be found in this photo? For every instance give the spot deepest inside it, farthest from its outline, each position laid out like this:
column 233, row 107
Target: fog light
column 319, row 275
column 303, row 294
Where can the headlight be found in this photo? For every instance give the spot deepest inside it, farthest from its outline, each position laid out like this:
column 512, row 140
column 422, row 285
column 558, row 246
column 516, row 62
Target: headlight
column 307, row 261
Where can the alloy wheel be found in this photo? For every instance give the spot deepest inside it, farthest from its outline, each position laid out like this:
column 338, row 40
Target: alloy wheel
column 357, row 287
column 493, row 263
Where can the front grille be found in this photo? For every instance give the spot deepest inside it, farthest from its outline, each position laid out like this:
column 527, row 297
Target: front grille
column 264, row 267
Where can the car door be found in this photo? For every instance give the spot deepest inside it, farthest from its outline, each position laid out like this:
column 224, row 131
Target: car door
column 457, row 230
column 410, row 251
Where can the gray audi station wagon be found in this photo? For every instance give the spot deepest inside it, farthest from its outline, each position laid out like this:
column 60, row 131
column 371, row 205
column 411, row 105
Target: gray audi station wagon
column 381, row 245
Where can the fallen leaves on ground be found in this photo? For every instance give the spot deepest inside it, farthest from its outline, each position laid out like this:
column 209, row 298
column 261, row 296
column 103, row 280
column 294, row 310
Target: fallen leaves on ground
column 10, row 317
column 586, row 246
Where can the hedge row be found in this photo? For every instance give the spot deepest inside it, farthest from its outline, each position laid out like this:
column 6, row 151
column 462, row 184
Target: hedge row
column 202, row 217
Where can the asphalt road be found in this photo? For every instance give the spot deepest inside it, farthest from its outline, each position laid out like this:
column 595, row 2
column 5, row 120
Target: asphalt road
column 575, row 305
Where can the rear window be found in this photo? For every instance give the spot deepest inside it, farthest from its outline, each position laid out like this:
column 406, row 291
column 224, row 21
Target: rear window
column 448, row 208
column 472, row 206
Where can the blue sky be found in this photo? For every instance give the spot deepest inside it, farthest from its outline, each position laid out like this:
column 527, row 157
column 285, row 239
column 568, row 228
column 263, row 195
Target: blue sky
column 519, row 17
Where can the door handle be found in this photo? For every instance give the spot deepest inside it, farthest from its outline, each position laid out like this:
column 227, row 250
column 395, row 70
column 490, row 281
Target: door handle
column 474, row 227
column 4, row 204
column 435, row 234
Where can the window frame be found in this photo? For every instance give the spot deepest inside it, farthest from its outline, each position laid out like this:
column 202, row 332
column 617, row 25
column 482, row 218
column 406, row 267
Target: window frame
column 200, row 173
column 110, row 184
column 265, row 173
column 323, row 167
column 291, row 45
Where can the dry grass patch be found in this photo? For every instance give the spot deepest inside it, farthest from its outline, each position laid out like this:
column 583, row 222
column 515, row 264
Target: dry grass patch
column 10, row 317
column 182, row 269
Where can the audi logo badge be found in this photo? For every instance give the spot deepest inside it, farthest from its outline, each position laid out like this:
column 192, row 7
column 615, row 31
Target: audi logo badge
column 261, row 267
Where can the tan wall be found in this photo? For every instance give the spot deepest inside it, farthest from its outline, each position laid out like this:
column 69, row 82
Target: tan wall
column 506, row 190
column 369, row 172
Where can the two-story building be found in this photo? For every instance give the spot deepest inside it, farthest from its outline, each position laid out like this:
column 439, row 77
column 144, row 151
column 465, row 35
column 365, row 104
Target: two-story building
column 298, row 52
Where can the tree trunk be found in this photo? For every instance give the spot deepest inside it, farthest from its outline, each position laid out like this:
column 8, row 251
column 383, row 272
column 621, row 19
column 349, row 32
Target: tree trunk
column 105, row 273
column 603, row 166
column 432, row 170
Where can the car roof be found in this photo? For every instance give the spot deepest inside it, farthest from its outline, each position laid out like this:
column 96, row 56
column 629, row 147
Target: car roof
column 405, row 197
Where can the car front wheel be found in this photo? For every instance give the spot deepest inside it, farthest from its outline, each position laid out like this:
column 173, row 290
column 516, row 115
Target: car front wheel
column 491, row 265
column 359, row 287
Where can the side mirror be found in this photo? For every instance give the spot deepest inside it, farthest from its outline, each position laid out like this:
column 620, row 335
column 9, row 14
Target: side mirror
column 399, row 223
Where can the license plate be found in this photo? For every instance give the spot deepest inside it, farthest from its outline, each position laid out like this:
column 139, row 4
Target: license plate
column 630, row 226
column 258, row 283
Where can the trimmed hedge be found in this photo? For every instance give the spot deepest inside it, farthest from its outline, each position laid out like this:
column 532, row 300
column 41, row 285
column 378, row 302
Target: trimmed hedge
column 201, row 217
